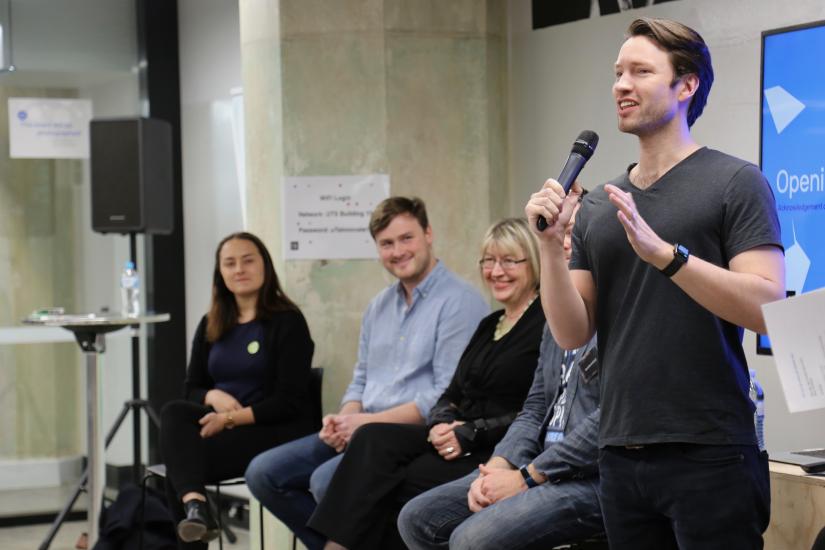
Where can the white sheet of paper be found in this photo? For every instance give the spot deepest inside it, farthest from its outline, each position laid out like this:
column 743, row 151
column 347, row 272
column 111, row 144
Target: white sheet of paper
column 796, row 327
column 327, row 217
column 46, row 128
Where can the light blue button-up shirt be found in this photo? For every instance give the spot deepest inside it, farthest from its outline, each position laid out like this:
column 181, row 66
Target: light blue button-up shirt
column 409, row 353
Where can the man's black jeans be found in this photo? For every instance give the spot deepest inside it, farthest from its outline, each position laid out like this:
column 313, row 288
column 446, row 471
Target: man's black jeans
column 686, row 496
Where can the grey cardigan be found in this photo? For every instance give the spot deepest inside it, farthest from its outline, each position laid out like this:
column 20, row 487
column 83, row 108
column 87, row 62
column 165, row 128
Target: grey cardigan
column 576, row 455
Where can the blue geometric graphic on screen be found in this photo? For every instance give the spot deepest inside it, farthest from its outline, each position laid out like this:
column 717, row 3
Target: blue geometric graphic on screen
column 783, row 107
column 797, row 265
column 793, row 148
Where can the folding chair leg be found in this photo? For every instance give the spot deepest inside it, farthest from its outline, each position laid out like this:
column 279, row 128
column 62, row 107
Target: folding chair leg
column 142, row 510
column 220, row 521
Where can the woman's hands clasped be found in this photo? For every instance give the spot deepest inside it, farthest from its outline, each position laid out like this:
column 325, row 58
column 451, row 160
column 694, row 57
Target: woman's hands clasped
column 212, row 424
column 224, row 404
column 444, row 441
column 221, row 401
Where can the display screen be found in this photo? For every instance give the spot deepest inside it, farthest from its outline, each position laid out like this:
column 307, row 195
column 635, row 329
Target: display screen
column 792, row 149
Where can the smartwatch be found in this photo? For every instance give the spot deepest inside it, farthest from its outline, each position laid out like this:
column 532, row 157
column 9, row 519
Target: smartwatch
column 680, row 258
column 528, row 479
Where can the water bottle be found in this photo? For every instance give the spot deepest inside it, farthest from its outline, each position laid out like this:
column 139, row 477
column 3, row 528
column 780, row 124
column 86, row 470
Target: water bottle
column 758, row 398
column 130, row 291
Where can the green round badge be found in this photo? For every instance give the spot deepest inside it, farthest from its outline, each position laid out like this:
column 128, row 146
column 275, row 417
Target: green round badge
column 253, row 347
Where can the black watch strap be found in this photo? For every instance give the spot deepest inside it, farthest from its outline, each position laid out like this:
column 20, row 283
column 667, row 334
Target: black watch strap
column 680, row 258
column 528, row 479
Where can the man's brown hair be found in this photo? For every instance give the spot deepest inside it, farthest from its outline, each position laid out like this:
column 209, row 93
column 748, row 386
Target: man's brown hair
column 389, row 208
column 688, row 55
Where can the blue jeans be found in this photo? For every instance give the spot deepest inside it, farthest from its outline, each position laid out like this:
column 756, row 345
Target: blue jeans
column 541, row 517
column 685, row 496
column 289, row 479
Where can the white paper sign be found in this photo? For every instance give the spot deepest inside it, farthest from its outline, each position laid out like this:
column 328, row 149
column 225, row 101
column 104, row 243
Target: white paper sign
column 49, row 128
column 327, row 217
column 796, row 327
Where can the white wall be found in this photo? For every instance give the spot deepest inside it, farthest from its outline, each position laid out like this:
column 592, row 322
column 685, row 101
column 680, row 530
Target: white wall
column 210, row 66
column 560, row 84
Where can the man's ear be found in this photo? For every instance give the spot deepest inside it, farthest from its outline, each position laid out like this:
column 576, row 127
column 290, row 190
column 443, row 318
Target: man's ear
column 689, row 85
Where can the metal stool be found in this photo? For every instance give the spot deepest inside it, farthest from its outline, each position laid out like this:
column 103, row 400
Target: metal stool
column 159, row 471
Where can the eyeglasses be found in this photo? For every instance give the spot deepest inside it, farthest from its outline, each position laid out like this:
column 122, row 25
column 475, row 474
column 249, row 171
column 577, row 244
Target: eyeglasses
column 488, row 263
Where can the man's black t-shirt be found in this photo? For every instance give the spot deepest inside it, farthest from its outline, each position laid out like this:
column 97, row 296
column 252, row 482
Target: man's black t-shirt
column 671, row 370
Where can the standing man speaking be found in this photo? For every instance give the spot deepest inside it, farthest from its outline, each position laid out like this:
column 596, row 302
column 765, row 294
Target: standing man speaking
column 669, row 260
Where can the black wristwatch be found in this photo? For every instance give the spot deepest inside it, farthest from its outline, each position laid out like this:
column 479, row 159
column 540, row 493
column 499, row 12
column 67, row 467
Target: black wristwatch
column 528, row 479
column 680, row 258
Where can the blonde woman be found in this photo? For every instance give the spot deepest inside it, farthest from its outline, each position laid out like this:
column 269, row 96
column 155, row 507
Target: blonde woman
column 388, row 464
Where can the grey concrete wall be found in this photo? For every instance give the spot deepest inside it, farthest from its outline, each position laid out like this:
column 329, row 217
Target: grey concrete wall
column 415, row 89
column 38, row 383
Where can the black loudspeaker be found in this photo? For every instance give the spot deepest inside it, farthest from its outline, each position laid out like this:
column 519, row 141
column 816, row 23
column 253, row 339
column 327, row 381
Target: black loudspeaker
column 132, row 176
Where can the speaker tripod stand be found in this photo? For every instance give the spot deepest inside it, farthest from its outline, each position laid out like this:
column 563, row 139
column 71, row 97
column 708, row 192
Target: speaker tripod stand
column 135, row 405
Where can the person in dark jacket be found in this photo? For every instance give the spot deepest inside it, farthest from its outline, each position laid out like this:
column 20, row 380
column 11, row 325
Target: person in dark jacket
column 387, row 464
column 248, row 384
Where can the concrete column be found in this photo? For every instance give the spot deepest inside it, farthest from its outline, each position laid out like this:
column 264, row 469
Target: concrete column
column 412, row 88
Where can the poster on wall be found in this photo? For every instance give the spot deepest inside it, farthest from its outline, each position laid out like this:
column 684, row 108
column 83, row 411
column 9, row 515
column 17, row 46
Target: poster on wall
column 48, row 128
column 327, row 217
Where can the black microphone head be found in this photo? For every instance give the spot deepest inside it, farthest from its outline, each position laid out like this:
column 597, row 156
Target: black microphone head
column 585, row 144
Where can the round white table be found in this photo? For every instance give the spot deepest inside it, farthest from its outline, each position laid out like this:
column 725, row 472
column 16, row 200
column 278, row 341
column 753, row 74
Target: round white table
column 90, row 332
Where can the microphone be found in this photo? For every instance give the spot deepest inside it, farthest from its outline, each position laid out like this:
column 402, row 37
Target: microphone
column 583, row 149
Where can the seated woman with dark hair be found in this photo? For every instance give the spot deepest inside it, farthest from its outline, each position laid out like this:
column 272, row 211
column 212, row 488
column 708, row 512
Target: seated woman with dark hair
column 247, row 385
column 388, row 464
